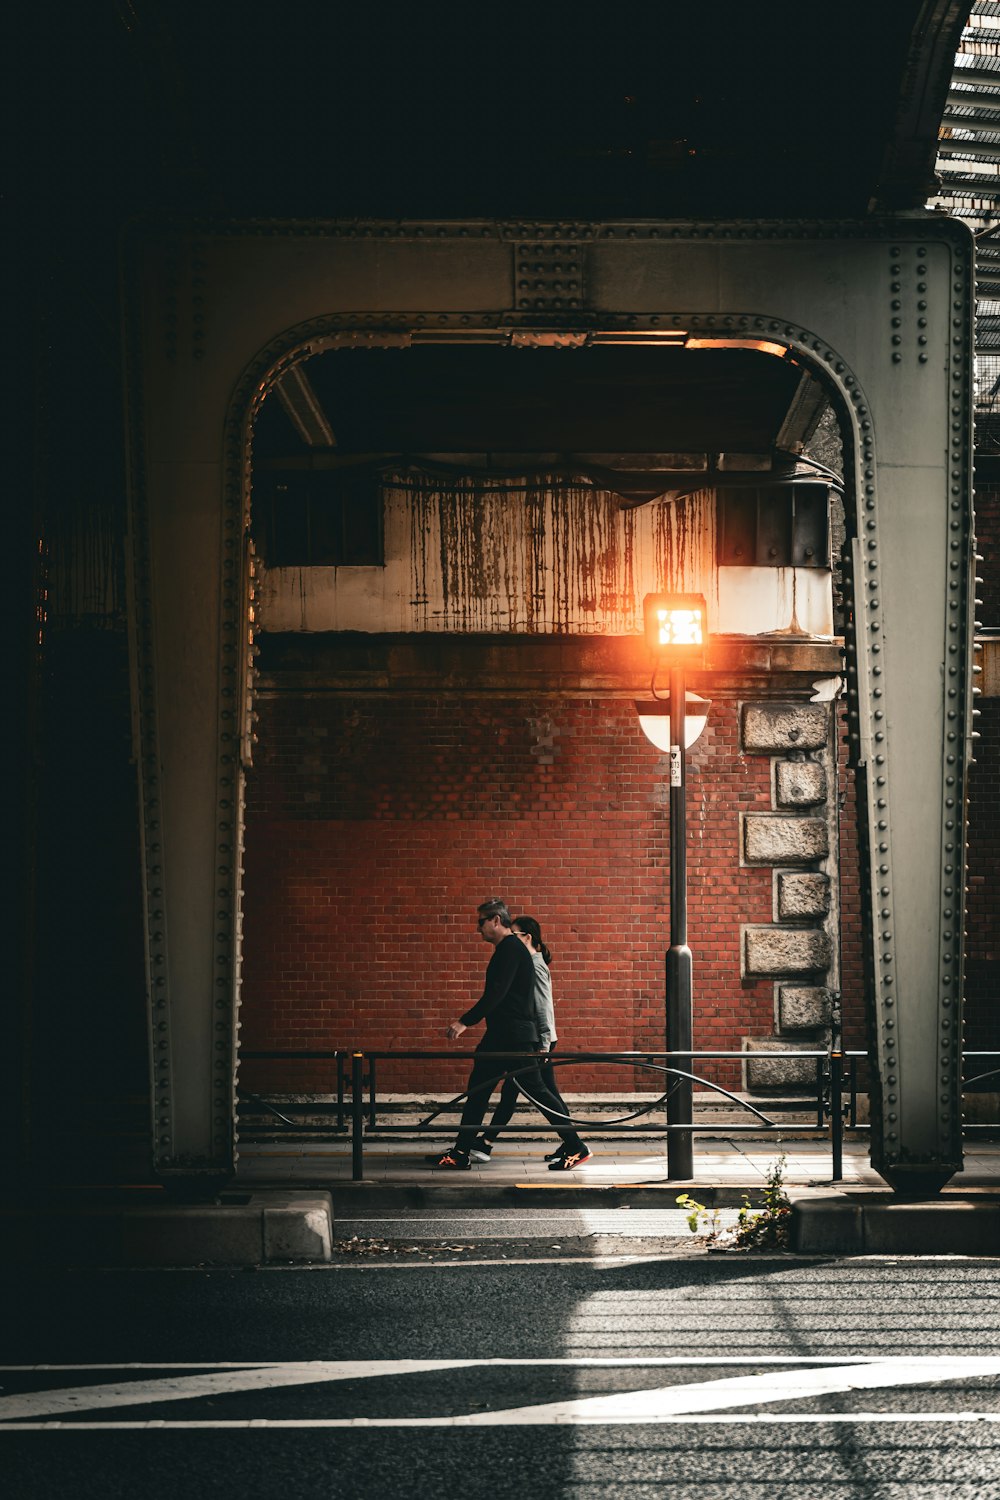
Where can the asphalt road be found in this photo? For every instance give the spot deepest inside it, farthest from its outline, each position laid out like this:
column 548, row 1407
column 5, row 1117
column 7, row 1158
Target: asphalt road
column 492, row 1368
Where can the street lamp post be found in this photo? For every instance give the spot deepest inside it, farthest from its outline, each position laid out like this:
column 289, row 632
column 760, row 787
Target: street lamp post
column 675, row 632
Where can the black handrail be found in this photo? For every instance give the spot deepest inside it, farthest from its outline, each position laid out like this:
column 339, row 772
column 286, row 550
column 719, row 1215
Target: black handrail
column 658, row 1062
column 650, row 1060
column 335, row 1054
column 831, row 1109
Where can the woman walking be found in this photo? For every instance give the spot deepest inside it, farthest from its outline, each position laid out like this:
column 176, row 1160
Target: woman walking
column 560, row 1160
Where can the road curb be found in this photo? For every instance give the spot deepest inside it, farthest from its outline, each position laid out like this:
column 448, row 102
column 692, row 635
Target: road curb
column 252, row 1228
column 831, row 1222
column 359, row 1196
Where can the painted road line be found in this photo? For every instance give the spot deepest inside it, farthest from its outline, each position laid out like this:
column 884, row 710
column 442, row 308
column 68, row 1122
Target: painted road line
column 730, row 1419
column 219, row 1383
column 538, row 1224
column 743, row 1390
column 394, row 1366
column 659, row 1404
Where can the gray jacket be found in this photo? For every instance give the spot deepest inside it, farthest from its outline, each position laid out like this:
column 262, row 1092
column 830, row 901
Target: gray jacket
column 544, row 1010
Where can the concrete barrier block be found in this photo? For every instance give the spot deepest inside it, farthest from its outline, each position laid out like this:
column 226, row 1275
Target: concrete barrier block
column 799, row 783
column 236, row 1229
column 851, row 1223
column 770, row 951
column 769, row 839
column 803, row 895
column 826, row 1224
column 189, row 1235
column 770, row 728
column 943, row 1227
column 299, row 1230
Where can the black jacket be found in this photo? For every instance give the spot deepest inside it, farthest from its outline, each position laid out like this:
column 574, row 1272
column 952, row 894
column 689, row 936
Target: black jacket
column 508, row 1000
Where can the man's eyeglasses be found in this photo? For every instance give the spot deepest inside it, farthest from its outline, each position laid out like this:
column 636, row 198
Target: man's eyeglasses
column 483, row 921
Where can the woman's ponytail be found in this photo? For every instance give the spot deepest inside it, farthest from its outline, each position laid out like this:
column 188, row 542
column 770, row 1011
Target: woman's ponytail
column 529, row 926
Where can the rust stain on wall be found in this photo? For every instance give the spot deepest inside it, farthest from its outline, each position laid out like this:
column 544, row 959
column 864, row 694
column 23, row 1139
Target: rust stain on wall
column 544, row 555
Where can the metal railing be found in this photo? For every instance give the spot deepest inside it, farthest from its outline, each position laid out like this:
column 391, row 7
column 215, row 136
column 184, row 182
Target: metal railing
column 354, row 1111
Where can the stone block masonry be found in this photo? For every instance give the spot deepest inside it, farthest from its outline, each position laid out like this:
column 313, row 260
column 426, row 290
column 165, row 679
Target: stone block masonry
column 799, row 839
column 776, row 1071
column 799, row 783
column 785, row 950
column 804, row 1007
column 802, row 895
column 772, row 728
column 784, row 840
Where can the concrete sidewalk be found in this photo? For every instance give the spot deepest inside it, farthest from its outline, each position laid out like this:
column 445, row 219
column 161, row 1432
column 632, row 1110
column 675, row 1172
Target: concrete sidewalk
column 857, row 1215
column 288, row 1201
column 734, row 1162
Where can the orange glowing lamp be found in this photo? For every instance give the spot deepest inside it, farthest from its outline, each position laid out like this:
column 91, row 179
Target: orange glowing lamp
column 676, row 625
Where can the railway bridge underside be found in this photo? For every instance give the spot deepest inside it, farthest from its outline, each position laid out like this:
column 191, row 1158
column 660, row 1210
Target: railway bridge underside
column 877, row 313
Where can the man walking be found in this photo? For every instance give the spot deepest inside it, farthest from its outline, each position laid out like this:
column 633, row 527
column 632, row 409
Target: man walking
column 507, row 1006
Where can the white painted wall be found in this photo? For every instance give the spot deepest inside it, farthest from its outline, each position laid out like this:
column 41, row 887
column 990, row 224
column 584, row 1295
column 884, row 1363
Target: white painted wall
column 527, row 558
column 762, row 601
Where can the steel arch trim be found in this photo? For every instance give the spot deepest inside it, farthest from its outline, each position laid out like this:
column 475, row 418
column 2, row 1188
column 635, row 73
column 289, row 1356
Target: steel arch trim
column 581, row 325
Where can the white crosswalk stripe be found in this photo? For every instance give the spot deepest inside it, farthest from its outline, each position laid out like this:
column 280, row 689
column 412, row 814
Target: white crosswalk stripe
column 797, row 1380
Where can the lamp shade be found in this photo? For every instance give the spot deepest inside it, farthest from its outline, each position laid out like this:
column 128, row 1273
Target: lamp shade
column 654, row 719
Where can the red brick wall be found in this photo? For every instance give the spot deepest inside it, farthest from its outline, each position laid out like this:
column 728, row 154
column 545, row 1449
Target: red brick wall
column 376, row 824
column 982, row 964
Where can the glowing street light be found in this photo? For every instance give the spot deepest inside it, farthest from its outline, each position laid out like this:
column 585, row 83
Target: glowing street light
column 676, row 633
column 675, row 622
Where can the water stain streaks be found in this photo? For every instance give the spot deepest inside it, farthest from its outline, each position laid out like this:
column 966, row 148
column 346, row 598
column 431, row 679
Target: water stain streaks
column 544, row 556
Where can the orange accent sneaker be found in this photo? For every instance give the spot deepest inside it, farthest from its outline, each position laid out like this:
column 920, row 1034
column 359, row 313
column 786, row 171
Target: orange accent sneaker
column 570, row 1160
column 452, row 1161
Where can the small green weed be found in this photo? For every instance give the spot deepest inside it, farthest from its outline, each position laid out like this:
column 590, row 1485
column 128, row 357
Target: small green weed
column 767, row 1228
column 696, row 1212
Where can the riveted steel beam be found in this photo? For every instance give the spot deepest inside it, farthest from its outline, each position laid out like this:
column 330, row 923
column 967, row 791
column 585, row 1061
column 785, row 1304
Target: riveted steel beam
column 967, row 146
column 977, row 77
column 880, row 312
column 974, row 98
column 985, row 118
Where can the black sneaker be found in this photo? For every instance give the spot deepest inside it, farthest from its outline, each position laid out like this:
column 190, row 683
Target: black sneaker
column 571, row 1160
column 556, row 1155
column 452, row 1161
column 482, row 1150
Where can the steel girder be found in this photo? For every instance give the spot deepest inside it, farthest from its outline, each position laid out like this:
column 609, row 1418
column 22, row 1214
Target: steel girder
column 881, row 311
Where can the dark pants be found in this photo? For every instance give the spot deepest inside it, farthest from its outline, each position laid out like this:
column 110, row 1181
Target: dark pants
column 486, row 1070
column 510, row 1093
